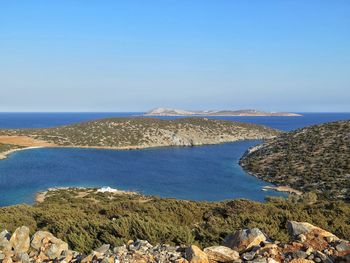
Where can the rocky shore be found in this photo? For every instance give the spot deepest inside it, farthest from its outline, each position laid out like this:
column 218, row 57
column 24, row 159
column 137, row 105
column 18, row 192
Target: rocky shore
column 307, row 244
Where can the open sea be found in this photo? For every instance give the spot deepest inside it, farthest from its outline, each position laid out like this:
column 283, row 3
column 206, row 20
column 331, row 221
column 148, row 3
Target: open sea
column 196, row 173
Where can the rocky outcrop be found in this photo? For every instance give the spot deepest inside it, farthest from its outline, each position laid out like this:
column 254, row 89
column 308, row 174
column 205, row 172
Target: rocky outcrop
column 221, row 254
column 246, row 245
column 245, row 239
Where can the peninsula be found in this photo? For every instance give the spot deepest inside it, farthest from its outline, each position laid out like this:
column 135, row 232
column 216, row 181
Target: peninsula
column 247, row 112
column 316, row 158
column 133, row 133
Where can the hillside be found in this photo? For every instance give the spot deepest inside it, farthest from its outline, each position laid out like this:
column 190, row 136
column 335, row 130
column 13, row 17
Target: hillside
column 88, row 218
column 130, row 133
column 315, row 158
column 248, row 112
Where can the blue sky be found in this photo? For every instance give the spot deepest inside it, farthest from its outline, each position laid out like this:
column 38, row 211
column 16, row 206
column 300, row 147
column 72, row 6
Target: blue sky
column 194, row 54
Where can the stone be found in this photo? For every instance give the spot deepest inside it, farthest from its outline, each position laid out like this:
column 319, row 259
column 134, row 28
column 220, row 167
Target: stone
column 243, row 240
column 343, row 246
column 301, row 260
column 249, row 255
column 302, row 238
column 7, row 260
column 195, row 255
column 88, row 258
column 103, row 249
column 22, row 257
column 323, row 257
column 221, row 254
column 51, row 246
column 315, row 237
column 300, row 254
column 270, row 250
column 20, row 241
column 297, row 228
column 259, row 260
column 5, row 240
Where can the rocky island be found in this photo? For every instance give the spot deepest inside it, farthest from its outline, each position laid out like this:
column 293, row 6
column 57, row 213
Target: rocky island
column 316, row 158
column 247, row 112
column 133, row 133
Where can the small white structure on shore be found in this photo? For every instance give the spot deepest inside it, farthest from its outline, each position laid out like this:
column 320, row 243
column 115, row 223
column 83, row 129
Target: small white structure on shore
column 107, row 189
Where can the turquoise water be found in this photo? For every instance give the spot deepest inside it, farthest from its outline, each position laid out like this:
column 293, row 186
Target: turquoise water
column 196, row 173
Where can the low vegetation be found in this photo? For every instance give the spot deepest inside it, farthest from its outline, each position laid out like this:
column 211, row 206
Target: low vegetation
column 87, row 218
column 145, row 132
column 315, row 158
column 7, row 147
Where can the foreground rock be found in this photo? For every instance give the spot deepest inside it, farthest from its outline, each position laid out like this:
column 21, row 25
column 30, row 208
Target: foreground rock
column 245, row 239
column 308, row 244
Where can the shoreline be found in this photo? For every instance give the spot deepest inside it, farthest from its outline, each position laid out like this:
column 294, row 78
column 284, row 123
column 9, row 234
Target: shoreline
column 4, row 155
column 278, row 188
column 40, row 196
column 285, row 189
column 82, row 192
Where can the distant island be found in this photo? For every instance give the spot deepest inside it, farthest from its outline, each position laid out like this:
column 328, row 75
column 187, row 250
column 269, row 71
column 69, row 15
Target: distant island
column 247, row 112
column 132, row 133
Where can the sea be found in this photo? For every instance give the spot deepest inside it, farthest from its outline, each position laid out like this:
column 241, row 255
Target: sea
column 205, row 173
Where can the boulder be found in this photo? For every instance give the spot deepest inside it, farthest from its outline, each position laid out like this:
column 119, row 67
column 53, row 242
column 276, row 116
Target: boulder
column 20, row 241
column 343, row 247
column 221, row 254
column 7, row 260
column 312, row 236
column 271, row 250
column 103, row 249
column 5, row 240
column 301, row 260
column 243, row 240
column 22, row 257
column 51, row 246
column 296, row 229
column 195, row 255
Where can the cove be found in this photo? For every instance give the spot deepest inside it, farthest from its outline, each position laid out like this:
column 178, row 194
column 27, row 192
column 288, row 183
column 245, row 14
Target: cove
column 209, row 173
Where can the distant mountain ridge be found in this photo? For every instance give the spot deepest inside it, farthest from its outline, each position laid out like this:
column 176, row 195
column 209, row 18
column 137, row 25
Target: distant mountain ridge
column 244, row 112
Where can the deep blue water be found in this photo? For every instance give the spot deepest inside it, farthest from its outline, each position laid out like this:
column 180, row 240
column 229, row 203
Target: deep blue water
column 41, row 120
column 197, row 173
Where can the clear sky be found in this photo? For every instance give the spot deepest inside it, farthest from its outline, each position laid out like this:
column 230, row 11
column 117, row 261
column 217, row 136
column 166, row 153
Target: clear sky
column 130, row 55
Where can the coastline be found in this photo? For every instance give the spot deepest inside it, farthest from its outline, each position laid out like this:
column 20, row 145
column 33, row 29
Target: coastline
column 4, row 155
column 278, row 188
column 82, row 192
column 40, row 196
column 285, row 189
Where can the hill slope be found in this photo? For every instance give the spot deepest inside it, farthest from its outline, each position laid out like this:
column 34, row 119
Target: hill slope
column 87, row 218
column 315, row 158
column 138, row 133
